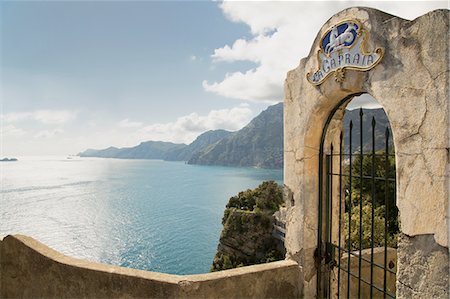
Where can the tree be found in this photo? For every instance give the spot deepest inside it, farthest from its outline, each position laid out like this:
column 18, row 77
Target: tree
column 269, row 196
column 377, row 191
column 378, row 224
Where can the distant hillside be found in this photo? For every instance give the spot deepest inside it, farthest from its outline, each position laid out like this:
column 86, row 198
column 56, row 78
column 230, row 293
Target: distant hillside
column 159, row 149
column 200, row 143
column 260, row 143
column 145, row 150
column 109, row 152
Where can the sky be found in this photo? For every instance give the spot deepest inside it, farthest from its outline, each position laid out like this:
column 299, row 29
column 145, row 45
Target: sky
column 93, row 74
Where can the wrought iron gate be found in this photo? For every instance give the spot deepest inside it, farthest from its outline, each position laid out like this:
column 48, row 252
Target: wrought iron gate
column 356, row 256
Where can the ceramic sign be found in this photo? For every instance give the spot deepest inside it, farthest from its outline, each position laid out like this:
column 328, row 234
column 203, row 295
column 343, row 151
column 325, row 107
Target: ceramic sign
column 343, row 47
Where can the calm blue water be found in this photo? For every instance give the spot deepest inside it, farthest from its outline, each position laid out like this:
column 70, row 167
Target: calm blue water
column 145, row 214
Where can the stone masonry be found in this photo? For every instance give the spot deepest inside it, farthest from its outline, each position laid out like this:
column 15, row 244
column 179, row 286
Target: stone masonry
column 411, row 84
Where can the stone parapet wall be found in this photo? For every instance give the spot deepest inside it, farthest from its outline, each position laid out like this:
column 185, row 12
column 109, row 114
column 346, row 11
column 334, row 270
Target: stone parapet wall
column 31, row 269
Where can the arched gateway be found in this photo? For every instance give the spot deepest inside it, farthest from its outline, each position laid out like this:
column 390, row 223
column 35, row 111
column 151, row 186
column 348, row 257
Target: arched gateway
column 404, row 65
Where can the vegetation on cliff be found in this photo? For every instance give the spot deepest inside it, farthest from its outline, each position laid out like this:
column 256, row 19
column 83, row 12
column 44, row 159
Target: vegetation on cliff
column 246, row 237
column 202, row 142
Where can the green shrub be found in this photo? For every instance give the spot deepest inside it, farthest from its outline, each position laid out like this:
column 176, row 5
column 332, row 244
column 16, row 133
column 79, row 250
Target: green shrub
column 268, row 197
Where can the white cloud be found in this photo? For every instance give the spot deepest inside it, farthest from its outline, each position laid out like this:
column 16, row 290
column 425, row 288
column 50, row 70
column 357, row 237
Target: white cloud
column 48, row 133
column 125, row 123
column 254, row 85
column 48, row 117
column 283, row 33
column 186, row 128
column 11, row 130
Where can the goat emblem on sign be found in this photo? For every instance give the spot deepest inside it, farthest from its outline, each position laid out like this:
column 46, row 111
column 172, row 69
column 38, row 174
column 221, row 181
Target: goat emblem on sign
column 335, row 40
column 341, row 48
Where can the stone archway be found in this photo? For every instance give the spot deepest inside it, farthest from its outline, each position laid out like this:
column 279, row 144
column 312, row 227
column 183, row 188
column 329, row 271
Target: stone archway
column 411, row 84
column 358, row 217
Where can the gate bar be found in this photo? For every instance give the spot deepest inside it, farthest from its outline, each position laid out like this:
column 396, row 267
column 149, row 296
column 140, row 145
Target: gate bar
column 329, row 247
column 373, row 206
column 349, row 212
column 368, row 177
column 327, row 224
column 360, row 197
column 386, row 208
column 340, row 214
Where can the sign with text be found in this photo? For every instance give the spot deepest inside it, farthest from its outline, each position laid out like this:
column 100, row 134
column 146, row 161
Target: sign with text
column 343, row 47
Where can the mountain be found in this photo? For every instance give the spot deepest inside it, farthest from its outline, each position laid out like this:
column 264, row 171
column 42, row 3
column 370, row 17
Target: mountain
column 380, row 128
column 109, row 152
column 145, row 150
column 160, row 150
column 260, row 143
column 200, row 143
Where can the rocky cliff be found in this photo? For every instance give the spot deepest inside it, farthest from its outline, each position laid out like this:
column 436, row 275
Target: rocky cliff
column 247, row 235
column 260, row 143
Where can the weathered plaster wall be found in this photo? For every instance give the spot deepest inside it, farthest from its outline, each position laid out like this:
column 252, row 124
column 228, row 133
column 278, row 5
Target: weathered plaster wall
column 426, row 270
column 30, row 269
column 411, row 83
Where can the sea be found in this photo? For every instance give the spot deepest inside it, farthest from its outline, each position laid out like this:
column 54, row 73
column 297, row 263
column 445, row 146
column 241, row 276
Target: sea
column 145, row 214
